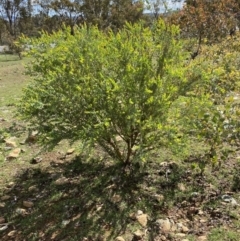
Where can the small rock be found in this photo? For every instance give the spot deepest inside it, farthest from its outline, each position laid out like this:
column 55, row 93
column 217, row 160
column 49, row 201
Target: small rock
column 10, row 143
column 111, row 186
column 184, row 203
column 138, row 234
column 2, row 220
column 99, row 208
column 5, row 197
column 163, row 238
column 65, row 223
column 33, row 189
column 234, row 202
column 179, row 225
column 61, row 181
column 54, row 235
column 202, row 238
column 3, row 228
column 70, row 151
column 181, row 187
column 203, row 220
column 28, row 204
column 226, row 198
column 142, row 219
column 159, row 197
column 185, row 229
column 164, row 224
column 2, row 205
column 200, row 212
column 139, row 212
column 119, row 238
column 14, row 154
column 163, row 164
column 12, row 233
column 194, row 194
column 21, row 211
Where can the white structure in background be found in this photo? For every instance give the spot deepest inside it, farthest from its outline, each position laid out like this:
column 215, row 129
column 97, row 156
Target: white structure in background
column 3, row 48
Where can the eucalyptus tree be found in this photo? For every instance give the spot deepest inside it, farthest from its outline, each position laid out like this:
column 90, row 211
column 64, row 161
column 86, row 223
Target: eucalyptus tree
column 10, row 10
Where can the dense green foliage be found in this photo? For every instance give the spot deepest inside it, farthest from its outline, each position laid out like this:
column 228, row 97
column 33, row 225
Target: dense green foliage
column 216, row 73
column 130, row 92
column 112, row 89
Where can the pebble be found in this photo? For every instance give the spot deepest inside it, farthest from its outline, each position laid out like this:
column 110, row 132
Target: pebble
column 181, row 187
column 2, row 205
column 5, row 197
column 139, row 212
column 200, row 212
column 3, row 228
column 185, row 229
column 228, row 199
column 28, row 204
column 142, row 219
column 203, row 220
column 14, row 154
column 70, row 151
column 163, row 238
column 119, row 238
column 21, row 211
column 159, row 197
column 12, row 233
column 138, row 234
column 33, row 189
column 164, row 224
column 65, row 223
column 202, row 238
column 10, row 143
column 61, row 181
column 194, row 194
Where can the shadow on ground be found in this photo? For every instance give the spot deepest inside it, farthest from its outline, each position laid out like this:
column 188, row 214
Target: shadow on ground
column 75, row 199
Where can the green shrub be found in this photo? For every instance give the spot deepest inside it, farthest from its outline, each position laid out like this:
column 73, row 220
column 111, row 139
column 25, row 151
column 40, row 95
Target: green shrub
column 127, row 92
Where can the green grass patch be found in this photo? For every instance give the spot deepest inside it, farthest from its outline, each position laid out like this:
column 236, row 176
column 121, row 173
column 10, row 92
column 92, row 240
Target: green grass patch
column 7, row 58
column 223, row 235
